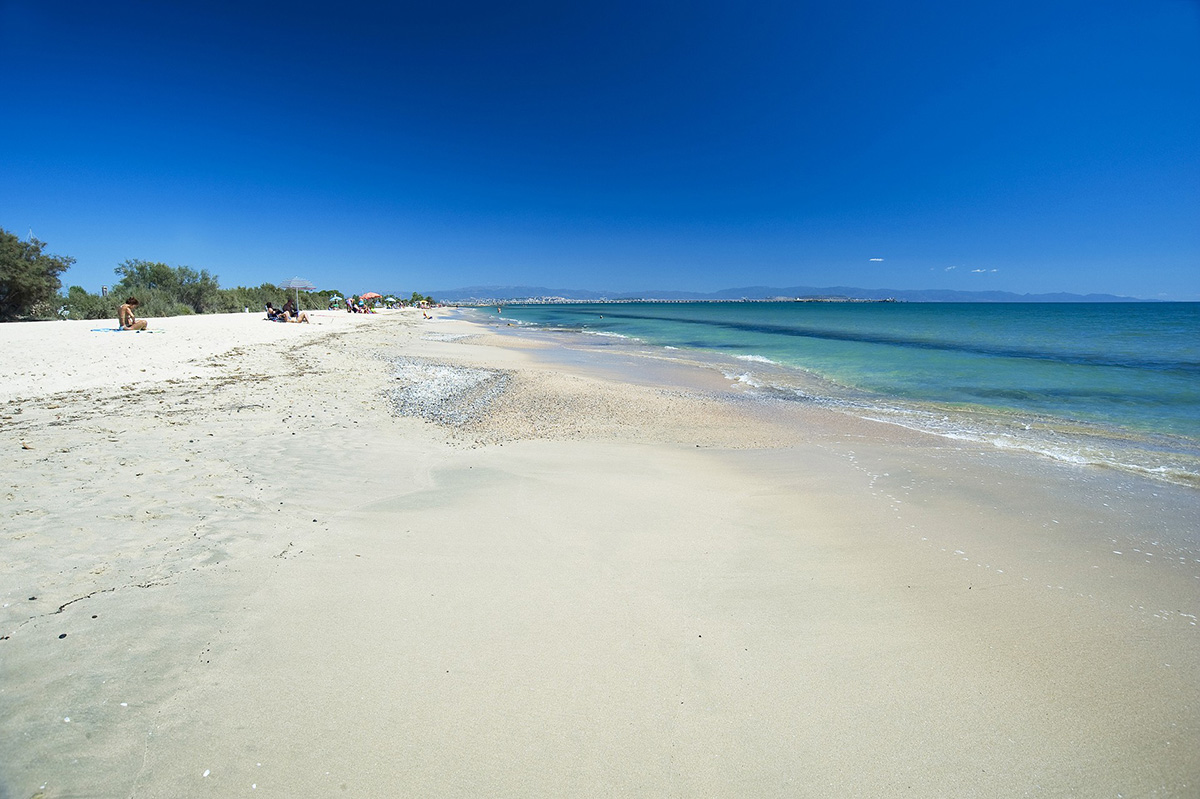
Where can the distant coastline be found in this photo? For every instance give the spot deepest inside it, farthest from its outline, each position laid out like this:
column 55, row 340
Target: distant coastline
column 487, row 295
column 556, row 300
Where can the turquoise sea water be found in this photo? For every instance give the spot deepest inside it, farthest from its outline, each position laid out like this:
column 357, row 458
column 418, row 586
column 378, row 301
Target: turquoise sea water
column 1107, row 383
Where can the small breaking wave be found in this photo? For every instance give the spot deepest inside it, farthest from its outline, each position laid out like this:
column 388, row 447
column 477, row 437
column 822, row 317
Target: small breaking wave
column 744, row 378
column 1073, row 442
column 609, row 334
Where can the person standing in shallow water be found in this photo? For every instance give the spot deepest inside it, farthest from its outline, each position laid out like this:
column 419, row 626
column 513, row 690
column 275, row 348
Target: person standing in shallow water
column 125, row 317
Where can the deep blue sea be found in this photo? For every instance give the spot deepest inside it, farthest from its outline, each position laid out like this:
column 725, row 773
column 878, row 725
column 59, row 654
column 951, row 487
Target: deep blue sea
column 1115, row 384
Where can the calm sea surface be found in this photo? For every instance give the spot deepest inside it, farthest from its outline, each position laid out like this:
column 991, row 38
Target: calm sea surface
column 1112, row 384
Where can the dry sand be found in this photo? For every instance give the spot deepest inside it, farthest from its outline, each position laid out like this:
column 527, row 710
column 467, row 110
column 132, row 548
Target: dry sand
column 229, row 568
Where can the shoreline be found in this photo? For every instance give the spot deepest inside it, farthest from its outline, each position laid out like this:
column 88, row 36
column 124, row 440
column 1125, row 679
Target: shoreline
column 1169, row 457
column 264, row 577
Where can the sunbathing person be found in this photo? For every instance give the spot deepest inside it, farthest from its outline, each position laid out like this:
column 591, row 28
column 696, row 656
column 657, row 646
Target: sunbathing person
column 125, row 317
column 281, row 314
column 292, row 315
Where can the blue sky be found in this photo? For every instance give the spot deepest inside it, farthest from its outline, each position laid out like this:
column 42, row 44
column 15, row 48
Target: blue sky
column 1019, row 146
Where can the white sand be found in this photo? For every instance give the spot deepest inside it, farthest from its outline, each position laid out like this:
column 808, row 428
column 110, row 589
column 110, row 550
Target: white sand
column 270, row 585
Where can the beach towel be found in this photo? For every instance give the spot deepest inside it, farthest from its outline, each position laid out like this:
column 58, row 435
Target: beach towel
column 121, row 330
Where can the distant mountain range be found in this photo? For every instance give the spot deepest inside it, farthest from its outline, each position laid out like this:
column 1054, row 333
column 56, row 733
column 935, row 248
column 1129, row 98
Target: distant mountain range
column 485, row 294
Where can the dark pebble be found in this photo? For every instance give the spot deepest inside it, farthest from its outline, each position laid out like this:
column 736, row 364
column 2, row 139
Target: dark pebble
column 64, row 635
column 32, row 598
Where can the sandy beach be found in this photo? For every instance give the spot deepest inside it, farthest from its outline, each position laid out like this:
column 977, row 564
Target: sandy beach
column 389, row 556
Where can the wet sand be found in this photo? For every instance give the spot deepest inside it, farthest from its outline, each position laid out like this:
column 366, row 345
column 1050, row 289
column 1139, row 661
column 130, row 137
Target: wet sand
column 243, row 572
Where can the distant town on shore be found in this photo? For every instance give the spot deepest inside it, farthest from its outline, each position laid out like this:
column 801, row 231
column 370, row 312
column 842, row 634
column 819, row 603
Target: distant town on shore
column 489, row 295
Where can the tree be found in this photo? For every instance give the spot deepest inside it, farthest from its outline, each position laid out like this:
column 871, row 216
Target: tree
column 197, row 292
column 81, row 304
column 29, row 280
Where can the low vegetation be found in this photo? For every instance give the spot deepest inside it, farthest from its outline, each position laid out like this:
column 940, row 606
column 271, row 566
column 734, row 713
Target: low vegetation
column 30, row 288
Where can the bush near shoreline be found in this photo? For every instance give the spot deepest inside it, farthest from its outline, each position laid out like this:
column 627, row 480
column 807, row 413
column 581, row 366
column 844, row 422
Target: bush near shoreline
column 30, row 288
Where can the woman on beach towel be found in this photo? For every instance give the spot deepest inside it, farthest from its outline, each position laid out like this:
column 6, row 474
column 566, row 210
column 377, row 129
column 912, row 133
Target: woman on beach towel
column 281, row 314
column 291, row 314
column 125, row 317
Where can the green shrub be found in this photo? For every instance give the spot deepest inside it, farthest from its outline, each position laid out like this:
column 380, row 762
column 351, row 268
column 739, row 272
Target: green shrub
column 29, row 281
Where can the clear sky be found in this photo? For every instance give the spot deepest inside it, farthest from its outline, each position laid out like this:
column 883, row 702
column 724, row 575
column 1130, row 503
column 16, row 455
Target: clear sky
column 397, row 146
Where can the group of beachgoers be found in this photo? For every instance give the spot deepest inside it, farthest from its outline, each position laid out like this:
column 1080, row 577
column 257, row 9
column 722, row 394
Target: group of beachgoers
column 288, row 313
column 127, row 320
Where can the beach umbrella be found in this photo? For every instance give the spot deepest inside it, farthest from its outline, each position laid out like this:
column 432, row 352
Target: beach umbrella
column 370, row 295
column 298, row 284
column 389, row 299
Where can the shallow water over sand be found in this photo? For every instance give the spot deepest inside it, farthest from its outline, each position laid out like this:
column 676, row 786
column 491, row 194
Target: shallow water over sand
column 1108, row 385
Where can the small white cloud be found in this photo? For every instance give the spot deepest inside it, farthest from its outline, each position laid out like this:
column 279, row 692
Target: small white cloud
column 948, row 268
column 978, row 270
column 995, row 270
column 876, row 259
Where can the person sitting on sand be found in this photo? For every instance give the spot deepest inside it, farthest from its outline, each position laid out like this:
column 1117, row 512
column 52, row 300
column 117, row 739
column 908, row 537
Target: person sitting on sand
column 125, row 318
column 290, row 314
column 281, row 315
